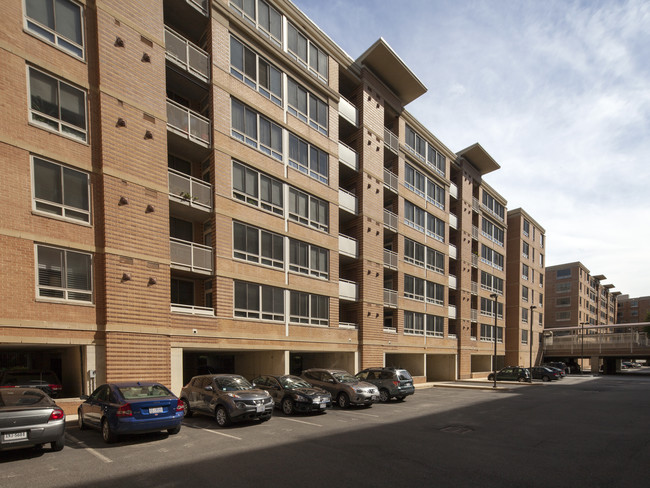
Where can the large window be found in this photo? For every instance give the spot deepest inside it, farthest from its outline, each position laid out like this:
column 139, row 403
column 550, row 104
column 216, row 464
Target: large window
column 258, row 301
column 492, row 206
column 414, row 288
column 435, row 194
column 424, row 151
column 435, row 293
column 258, row 246
column 487, row 307
column 413, row 323
column 255, row 71
column 435, row 260
column 263, row 16
column 525, row 271
column 182, row 292
column 435, row 326
column 308, row 259
column 64, row 274
column 306, row 107
column 308, row 210
column 435, row 227
column 562, row 316
column 306, row 308
column 524, row 293
column 526, row 229
column 491, row 257
column 309, row 159
column 414, row 252
column 59, row 22
column 414, row 216
column 563, row 302
column 306, row 53
column 57, row 105
column 255, row 130
column 61, row 191
column 487, row 333
column 563, row 273
column 493, row 232
column 414, row 180
column 258, row 189
column 563, row 287
column 491, row 283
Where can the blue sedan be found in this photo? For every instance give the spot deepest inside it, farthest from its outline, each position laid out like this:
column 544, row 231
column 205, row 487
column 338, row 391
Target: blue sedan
column 131, row 408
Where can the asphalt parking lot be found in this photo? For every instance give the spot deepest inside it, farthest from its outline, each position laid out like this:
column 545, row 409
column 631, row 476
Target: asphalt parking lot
column 581, row 431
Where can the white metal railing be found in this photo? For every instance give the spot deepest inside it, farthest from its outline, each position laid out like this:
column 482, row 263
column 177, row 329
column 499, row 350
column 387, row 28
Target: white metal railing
column 475, row 260
column 452, row 312
column 188, row 56
column 390, row 220
column 390, row 298
column 391, row 330
column 348, row 111
column 452, row 282
column 200, row 5
column 474, row 288
column 453, row 251
column 453, row 190
column 188, row 123
column 473, row 315
column 391, row 140
column 390, row 259
column 348, row 156
column 348, row 201
column 190, row 256
column 348, row 290
column 192, row 309
column 190, row 190
column 390, row 180
column 348, row 246
column 475, row 205
column 453, row 221
column 474, row 232
column 348, row 325
column 636, row 342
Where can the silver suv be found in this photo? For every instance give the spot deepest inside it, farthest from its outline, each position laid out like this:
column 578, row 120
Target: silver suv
column 392, row 382
column 345, row 388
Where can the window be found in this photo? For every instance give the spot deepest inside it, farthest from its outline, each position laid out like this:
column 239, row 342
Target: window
column 308, row 210
column 414, row 288
column 306, row 107
column 435, row 194
column 541, row 259
column 255, row 130
column 64, row 274
column 436, row 160
column 58, row 22
column 57, row 106
column 259, row 301
column 414, row 252
column 524, row 315
column 541, row 280
column 309, row 159
column 308, row 259
column 255, row 71
column 61, row 191
column 258, row 246
column 306, row 53
column 491, row 283
column 306, row 308
column 257, row 189
column 182, row 292
column 435, row 260
column 524, row 293
column 435, row 326
column 563, row 302
column 561, row 316
column 435, row 227
column 524, row 336
column 413, row 323
column 435, row 293
column 487, row 333
column 563, row 287
column 492, row 206
column 563, row 273
column 491, row 257
column 414, row 216
column 526, row 228
column 525, row 249
column 266, row 18
column 415, row 143
column 492, row 231
column 414, row 180
column 487, row 307
column 524, row 271
column 541, row 240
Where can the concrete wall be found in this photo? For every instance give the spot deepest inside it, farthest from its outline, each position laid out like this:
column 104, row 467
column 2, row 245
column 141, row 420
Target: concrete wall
column 441, row 367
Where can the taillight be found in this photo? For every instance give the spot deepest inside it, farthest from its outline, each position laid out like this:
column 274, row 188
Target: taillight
column 396, row 383
column 124, row 411
column 55, row 387
column 57, row 414
column 179, row 406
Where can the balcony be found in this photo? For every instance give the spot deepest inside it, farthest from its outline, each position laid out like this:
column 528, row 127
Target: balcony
column 475, row 233
column 188, row 56
column 192, row 309
column 391, row 141
column 453, row 221
column 390, row 220
column 348, row 111
column 473, row 315
column 348, row 156
column 390, row 180
column 474, row 288
column 200, row 5
column 348, row 201
column 348, row 290
column 452, row 282
column 452, row 312
column 348, row 325
column 390, row 259
column 188, row 124
column 348, row 246
column 190, row 191
column 453, row 191
column 390, row 298
column 453, row 252
column 475, row 260
column 189, row 256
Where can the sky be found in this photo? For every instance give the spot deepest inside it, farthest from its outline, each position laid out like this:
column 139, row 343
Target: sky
column 557, row 92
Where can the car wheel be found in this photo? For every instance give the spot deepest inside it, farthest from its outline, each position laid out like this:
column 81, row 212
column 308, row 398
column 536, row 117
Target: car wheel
column 80, row 420
column 490, row 377
column 107, row 433
column 521, row 379
column 546, row 378
column 343, row 400
column 186, row 408
column 174, row 430
column 384, row 396
column 58, row 444
column 221, row 416
column 287, row 406
column 401, row 398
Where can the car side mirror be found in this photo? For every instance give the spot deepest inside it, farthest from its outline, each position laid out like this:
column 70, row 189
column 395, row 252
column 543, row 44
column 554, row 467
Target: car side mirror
column 84, row 397
column 208, row 388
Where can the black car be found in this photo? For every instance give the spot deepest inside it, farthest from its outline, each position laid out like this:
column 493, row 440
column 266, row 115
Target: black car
column 392, row 382
column 511, row 373
column 226, row 397
column 545, row 374
column 559, row 365
column 293, row 394
column 46, row 381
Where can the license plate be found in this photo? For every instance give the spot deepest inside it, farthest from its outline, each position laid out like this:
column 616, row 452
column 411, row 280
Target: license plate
column 156, row 410
column 15, row 436
column 260, row 408
column 323, row 405
column 374, row 398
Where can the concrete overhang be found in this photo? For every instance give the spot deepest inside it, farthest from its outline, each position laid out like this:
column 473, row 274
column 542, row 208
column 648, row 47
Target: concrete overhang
column 600, row 277
column 609, row 286
column 389, row 68
column 479, row 158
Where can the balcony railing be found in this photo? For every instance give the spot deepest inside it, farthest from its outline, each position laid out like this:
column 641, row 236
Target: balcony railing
column 348, row 325
column 452, row 282
column 475, row 205
column 190, row 256
column 475, row 260
column 473, row 314
column 190, row 190
column 474, row 288
column 390, row 298
column 348, row 246
column 188, row 56
column 348, row 111
column 475, row 232
column 192, row 309
column 200, row 5
column 453, row 190
column 390, row 259
column 348, row 201
column 453, row 221
column 391, row 141
column 348, row 156
column 390, row 180
column 187, row 123
column 452, row 312
column 348, row 290
column 390, row 220
column 453, row 251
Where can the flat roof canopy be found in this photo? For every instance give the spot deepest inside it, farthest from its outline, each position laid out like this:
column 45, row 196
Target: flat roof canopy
column 600, row 277
column 480, row 158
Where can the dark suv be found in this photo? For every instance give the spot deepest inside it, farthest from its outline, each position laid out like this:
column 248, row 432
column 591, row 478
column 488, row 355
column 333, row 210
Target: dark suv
column 46, row 381
column 392, row 382
column 345, row 389
column 227, row 397
column 511, row 373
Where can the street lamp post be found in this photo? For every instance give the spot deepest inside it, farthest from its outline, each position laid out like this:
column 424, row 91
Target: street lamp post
column 494, row 361
column 530, row 342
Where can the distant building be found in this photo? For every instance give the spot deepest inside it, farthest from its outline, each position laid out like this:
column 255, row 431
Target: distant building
column 632, row 310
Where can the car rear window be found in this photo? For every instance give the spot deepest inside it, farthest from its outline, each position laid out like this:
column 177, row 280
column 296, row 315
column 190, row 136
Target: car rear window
column 149, row 391
column 33, row 377
column 19, row 397
column 404, row 375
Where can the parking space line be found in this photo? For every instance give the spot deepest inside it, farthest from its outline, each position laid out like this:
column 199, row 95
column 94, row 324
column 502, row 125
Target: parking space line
column 220, row 433
column 362, row 414
column 300, row 421
column 90, row 449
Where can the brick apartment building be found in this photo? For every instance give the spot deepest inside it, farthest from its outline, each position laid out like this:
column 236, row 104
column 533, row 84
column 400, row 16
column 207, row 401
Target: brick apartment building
column 216, row 186
column 632, row 310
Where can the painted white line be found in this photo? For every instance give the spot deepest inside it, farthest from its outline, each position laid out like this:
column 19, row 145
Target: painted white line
column 90, row 449
column 300, row 421
column 220, row 433
column 362, row 414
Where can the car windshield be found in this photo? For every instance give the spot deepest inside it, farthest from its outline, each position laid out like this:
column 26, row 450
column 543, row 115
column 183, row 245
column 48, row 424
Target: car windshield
column 291, row 382
column 136, row 392
column 344, row 377
column 233, row 383
column 19, row 397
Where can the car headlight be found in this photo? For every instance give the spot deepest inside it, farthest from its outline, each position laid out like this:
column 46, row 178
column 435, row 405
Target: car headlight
column 240, row 405
column 358, row 390
column 300, row 398
column 233, row 395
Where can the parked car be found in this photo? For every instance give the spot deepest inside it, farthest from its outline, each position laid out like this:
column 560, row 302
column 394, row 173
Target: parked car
column 130, row 408
column 226, row 397
column 345, row 388
column 558, row 365
column 545, row 374
column 391, row 382
column 511, row 373
column 29, row 417
column 294, row 394
column 561, row 372
column 46, row 381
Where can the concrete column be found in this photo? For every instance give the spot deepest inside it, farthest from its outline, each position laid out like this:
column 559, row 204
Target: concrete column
column 594, row 362
column 176, row 363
